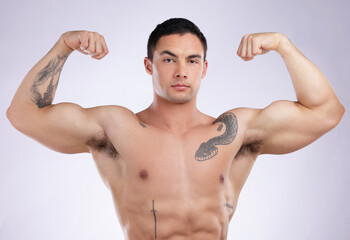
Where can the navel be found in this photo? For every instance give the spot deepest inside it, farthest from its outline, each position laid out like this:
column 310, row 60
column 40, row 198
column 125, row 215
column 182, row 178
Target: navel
column 143, row 174
column 222, row 178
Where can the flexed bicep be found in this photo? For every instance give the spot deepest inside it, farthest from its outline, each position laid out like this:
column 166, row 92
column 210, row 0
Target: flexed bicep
column 286, row 126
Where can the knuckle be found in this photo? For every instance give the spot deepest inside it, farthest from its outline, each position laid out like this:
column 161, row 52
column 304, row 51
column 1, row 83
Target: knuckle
column 85, row 33
column 255, row 39
column 90, row 34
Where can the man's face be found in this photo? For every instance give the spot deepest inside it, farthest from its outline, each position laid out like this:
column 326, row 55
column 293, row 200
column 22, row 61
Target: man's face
column 178, row 67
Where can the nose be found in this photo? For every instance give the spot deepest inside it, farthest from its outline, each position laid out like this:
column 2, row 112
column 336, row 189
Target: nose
column 181, row 71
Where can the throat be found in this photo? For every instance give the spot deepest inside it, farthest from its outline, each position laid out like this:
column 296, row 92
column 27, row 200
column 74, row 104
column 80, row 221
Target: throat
column 175, row 118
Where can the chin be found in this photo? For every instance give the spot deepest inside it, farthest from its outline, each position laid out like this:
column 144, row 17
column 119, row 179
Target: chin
column 179, row 100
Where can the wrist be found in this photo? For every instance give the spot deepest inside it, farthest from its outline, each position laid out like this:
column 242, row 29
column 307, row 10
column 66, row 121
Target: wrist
column 62, row 48
column 284, row 46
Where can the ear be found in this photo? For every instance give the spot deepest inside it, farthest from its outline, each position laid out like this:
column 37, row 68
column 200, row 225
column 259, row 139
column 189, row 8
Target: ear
column 205, row 67
column 148, row 65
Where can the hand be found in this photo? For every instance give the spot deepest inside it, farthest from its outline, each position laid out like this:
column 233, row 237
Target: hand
column 258, row 44
column 86, row 42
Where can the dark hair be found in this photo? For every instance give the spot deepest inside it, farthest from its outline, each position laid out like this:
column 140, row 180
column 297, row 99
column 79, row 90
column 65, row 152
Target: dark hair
column 174, row 26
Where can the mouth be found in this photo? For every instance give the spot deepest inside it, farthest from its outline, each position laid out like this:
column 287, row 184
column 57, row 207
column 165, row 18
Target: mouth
column 180, row 86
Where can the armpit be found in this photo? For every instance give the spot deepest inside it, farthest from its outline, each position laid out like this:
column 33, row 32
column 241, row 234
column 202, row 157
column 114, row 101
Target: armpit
column 250, row 148
column 103, row 145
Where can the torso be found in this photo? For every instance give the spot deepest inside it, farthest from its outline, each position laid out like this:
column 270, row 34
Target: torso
column 161, row 188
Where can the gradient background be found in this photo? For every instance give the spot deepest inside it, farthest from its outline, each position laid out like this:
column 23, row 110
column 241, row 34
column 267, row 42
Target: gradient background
column 49, row 195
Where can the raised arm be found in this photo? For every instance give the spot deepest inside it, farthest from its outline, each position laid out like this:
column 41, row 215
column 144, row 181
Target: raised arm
column 286, row 126
column 64, row 127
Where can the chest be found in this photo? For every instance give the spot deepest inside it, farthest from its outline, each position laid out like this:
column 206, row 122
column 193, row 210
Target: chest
column 162, row 158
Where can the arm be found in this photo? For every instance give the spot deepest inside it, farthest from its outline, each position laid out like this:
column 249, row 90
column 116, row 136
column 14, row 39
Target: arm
column 64, row 127
column 286, row 126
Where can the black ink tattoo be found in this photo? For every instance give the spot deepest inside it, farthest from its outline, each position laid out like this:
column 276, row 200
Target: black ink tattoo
column 228, row 207
column 207, row 150
column 50, row 73
column 220, row 127
column 155, row 221
column 142, row 125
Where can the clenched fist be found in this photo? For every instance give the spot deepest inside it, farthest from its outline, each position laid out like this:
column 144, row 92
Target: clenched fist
column 259, row 43
column 86, row 42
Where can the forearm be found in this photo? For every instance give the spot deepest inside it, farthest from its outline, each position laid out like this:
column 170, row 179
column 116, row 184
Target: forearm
column 311, row 86
column 38, row 88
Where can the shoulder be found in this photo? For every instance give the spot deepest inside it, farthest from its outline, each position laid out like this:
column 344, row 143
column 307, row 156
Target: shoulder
column 245, row 116
column 109, row 109
column 113, row 118
column 110, row 112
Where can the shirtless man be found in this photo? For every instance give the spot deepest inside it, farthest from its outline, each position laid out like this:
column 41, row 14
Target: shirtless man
column 174, row 172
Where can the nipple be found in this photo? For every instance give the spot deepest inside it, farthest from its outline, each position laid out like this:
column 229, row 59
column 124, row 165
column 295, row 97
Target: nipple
column 143, row 174
column 222, row 178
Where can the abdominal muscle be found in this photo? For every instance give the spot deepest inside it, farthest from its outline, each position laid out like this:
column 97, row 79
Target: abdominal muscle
column 168, row 215
column 172, row 206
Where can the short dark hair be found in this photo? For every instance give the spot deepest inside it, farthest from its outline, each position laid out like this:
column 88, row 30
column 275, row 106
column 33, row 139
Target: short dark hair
column 174, row 26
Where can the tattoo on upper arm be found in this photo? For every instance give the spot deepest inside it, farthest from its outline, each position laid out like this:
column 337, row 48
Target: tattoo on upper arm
column 51, row 73
column 207, row 150
column 155, row 221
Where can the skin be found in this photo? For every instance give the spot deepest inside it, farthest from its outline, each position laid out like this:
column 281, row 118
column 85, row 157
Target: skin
column 174, row 172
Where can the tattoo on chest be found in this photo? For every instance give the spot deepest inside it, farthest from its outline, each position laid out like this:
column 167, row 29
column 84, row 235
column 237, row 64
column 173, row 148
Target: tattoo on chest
column 51, row 73
column 208, row 150
column 155, row 221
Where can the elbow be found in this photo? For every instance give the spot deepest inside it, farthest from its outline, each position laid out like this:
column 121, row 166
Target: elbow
column 10, row 116
column 341, row 113
column 14, row 118
column 336, row 115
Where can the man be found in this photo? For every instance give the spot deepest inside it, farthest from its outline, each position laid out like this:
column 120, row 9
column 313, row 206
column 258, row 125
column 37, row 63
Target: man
column 174, row 172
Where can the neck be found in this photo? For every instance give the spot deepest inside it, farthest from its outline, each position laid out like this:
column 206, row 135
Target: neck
column 177, row 117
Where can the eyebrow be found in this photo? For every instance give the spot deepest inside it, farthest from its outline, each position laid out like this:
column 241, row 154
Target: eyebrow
column 174, row 55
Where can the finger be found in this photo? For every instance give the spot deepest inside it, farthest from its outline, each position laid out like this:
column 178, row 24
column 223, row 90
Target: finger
column 98, row 47
column 256, row 47
column 244, row 47
column 249, row 47
column 247, row 58
column 240, row 48
column 104, row 45
column 82, row 51
column 84, row 40
column 92, row 43
column 104, row 48
column 263, row 51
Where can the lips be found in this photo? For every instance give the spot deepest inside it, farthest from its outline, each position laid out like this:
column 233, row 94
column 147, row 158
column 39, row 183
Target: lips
column 180, row 86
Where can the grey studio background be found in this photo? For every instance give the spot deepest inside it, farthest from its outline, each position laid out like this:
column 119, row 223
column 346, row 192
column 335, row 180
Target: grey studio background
column 49, row 195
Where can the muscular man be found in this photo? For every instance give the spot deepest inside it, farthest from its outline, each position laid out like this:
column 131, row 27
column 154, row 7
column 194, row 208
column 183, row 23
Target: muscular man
column 173, row 171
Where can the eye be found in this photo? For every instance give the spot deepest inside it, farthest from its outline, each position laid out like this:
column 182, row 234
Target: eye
column 168, row 60
column 193, row 61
